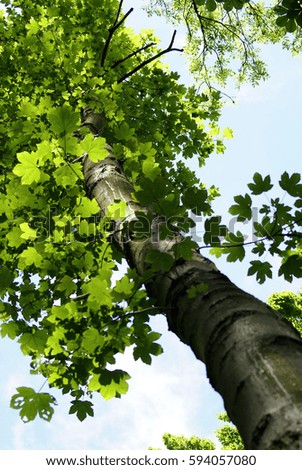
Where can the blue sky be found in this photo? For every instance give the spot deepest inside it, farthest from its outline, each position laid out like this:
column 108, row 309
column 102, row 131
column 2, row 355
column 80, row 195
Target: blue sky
column 173, row 395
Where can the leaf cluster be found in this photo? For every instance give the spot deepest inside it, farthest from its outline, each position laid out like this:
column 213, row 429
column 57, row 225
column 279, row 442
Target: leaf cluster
column 278, row 232
column 289, row 14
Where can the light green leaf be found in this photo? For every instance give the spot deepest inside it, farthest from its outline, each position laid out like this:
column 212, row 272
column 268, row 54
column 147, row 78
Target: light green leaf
column 117, row 210
column 151, row 169
column 86, row 207
column 27, row 169
column 34, row 341
column 92, row 340
column 30, row 256
column 99, row 289
column 31, row 403
column 28, row 233
column 95, row 147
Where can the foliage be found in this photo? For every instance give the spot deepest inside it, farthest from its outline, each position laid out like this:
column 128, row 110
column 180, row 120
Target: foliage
column 182, row 443
column 289, row 14
column 228, row 437
column 278, row 232
column 289, row 305
column 224, row 37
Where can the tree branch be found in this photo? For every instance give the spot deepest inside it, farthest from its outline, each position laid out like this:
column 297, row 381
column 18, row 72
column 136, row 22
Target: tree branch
column 118, row 62
column 151, row 59
column 112, row 30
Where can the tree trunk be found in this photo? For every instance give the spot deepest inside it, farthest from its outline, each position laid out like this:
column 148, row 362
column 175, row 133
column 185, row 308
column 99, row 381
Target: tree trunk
column 252, row 355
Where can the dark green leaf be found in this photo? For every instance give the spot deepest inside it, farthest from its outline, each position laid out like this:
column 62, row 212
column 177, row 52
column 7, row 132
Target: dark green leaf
column 261, row 269
column 291, row 267
column 260, row 185
column 82, row 409
column 290, row 184
column 243, row 207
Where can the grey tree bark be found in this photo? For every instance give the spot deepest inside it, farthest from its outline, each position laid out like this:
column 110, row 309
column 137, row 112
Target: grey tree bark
column 253, row 356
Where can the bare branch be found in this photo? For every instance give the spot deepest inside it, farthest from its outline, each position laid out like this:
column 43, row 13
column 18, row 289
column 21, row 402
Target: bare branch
column 170, row 48
column 112, row 30
column 118, row 62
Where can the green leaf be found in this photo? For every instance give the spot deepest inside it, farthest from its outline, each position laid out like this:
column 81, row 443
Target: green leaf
column 291, row 267
column 290, row 184
column 291, row 26
column 193, row 291
column 260, row 185
column 195, row 199
column 29, row 257
column 281, row 21
column 123, row 132
column 68, row 176
column 86, row 207
column 82, row 409
column 123, row 288
column 14, row 238
column 151, row 169
column 185, row 249
column 28, row 233
column 243, row 207
column 96, row 148
column 159, row 261
column 214, row 231
column 32, row 404
column 99, row 290
column 261, row 269
column 27, row 169
column 233, row 247
column 10, row 329
column 6, row 278
column 33, row 342
column 63, row 120
column 211, row 5
column 117, row 210
column 110, row 384
column 228, row 133
column 92, row 340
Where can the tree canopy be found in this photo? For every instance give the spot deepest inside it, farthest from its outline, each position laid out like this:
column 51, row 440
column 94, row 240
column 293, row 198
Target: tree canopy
column 63, row 299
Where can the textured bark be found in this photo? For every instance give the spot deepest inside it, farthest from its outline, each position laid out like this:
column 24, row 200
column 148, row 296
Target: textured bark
column 253, row 356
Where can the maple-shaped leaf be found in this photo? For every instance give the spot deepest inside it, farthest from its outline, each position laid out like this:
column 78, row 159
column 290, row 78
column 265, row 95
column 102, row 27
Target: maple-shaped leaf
column 27, row 169
column 82, row 409
column 260, row 184
column 31, row 404
column 63, row 120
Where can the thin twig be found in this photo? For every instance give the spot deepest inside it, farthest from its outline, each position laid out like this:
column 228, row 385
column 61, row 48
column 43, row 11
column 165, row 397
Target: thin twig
column 112, row 30
column 151, row 59
column 118, row 62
